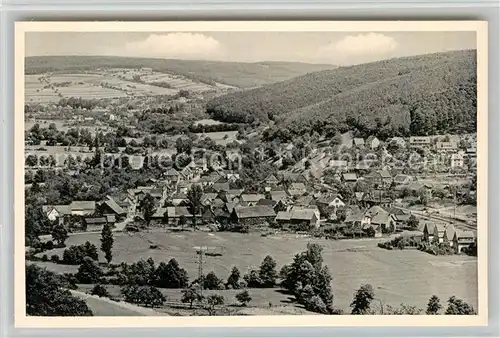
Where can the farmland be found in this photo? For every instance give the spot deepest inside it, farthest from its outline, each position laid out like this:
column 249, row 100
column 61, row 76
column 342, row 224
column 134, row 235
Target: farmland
column 351, row 263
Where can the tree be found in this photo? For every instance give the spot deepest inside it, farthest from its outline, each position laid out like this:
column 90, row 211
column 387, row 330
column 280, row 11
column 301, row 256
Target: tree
column 171, row 275
column 100, row 291
column 212, row 282
column 192, row 294
column 89, row 272
column 243, row 297
column 233, row 280
column 107, row 242
column 60, row 234
column 212, row 302
column 150, row 296
column 194, row 196
column 457, row 306
column 148, row 205
column 267, row 272
column 413, row 222
column 433, row 306
column 252, row 279
column 362, row 300
column 45, row 295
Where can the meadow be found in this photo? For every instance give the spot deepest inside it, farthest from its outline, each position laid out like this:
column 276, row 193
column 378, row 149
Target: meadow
column 407, row 276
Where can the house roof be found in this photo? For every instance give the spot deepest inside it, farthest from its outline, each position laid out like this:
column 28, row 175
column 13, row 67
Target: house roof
column 385, row 173
column 302, row 214
column 450, row 233
column 96, row 220
column 83, row 205
column 329, row 198
column 221, row 186
column 172, row 172
column 159, row 213
column 271, row 178
column 230, row 206
column 350, row 177
column 251, row 197
column 283, row 216
column 61, row 209
column 304, row 200
column 375, row 210
column 278, row 195
column 114, row 206
column 178, row 212
column 358, row 141
column 464, row 234
column 264, row 201
column 297, row 186
column 401, row 178
column 254, row 211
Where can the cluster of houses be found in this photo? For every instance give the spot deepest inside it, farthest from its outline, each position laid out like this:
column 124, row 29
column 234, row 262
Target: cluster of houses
column 447, row 234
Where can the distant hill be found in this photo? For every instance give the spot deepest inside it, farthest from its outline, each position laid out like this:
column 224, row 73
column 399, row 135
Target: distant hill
column 238, row 74
column 422, row 94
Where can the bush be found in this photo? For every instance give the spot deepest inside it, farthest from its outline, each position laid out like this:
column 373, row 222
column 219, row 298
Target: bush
column 75, row 254
column 100, row 291
column 54, row 258
column 45, row 258
column 243, row 297
column 171, row 275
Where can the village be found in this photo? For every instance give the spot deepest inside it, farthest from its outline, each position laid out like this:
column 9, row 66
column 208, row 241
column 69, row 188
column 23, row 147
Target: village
column 374, row 202
column 143, row 196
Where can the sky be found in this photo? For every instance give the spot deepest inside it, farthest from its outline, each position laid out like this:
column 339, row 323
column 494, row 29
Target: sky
column 339, row 48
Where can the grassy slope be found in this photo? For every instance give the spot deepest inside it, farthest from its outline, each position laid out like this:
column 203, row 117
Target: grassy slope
column 443, row 82
column 238, row 74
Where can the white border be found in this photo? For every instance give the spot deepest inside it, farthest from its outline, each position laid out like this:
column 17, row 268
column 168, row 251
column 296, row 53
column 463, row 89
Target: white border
column 480, row 27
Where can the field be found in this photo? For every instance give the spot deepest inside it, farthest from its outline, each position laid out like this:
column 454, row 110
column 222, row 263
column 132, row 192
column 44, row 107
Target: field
column 408, row 276
column 220, row 137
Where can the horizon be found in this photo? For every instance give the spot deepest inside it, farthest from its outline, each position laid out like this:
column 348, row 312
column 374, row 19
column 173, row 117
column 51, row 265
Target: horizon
column 330, row 48
column 248, row 62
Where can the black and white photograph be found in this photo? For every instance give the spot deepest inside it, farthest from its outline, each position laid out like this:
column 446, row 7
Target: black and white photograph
column 252, row 172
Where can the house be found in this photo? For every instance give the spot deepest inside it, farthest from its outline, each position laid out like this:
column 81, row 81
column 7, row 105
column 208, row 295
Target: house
column 178, row 215
column 251, row 199
column 401, row 179
column 420, row 141
column 347, row 140
column 463, row 239
column 338, row 164
column 457, row 160
column 221, row 186
column 187, row 173
column 278, row 195
column 399, row 141
column 434, row 232
column 110, row 207
column 449, row 235
column 302, row 219
column 358, row 141
column 401, row 217
column 350, row 177
column 172, row 175
column 178, row 199
column 446, row 147
column 330, row 200
column 379, row 217
column 95, row 224
column 297, row 189
column 373, row 142
column 276, row 205
column 82, row 208
column 253, row 215
column 57, row 212
column 271, row 180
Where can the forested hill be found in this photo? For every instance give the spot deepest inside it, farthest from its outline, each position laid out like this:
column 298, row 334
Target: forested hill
column 237, row 74
column 423, row 94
